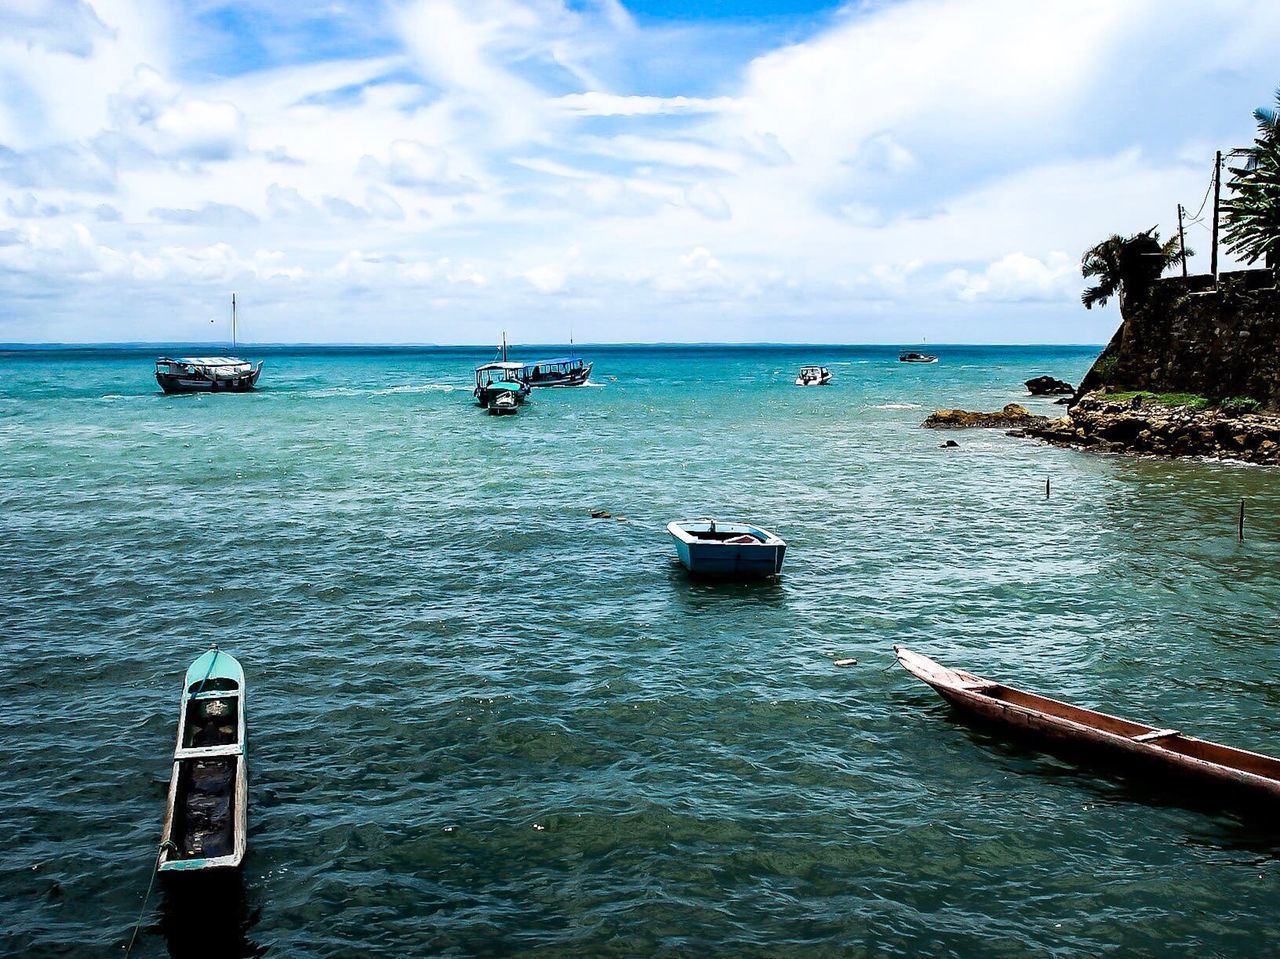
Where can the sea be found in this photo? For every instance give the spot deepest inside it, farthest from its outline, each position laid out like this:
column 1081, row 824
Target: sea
column 483, row 722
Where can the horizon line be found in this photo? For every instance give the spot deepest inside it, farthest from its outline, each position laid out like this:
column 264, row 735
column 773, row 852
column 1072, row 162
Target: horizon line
column 205, row 344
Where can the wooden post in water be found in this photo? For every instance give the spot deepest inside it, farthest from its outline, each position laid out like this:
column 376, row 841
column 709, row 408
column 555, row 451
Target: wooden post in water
column 1240, row 528
column 1046, row 487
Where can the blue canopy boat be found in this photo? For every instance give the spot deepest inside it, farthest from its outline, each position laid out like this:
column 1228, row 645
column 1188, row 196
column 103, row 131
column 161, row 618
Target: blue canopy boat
column 712, row 548
column 206, row 821
column 558, row 371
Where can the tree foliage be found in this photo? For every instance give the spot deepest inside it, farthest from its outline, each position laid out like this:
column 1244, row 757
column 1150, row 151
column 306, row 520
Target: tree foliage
column 1252, row 214
column 1126, row 266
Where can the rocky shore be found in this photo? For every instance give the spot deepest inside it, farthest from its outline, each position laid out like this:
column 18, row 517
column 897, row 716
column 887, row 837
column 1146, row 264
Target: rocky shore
column 1010, row 417
column 1146, row 426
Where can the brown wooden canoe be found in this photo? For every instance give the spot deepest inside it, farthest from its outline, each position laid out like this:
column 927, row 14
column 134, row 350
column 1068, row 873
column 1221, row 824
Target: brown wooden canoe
column 1248, row 775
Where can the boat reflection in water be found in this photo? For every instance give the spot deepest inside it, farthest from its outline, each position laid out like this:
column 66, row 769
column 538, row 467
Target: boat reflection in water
column 207, row 914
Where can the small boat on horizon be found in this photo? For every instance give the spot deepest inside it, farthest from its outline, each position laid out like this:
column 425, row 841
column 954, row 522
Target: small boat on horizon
column 208, row 374
column 813, row 376
column 910, row 356
column 206, row 817
column 1165, row 751
column 559, row 371
column 713, row 548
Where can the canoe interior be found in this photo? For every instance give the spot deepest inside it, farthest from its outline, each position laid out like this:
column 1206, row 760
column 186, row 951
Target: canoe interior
column 211, row 721
column 204, row 808
column 723, row 536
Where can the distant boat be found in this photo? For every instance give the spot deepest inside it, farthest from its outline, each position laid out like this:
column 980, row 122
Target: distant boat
column 714, row 548
column 208, row 374
column 911, row 357
column 813, row 376
column 206, row 821
column 1092, row 733
column 560, row 371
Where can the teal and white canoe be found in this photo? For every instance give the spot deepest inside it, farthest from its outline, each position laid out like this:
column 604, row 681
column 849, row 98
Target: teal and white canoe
column 712, row 548
column 206, row 822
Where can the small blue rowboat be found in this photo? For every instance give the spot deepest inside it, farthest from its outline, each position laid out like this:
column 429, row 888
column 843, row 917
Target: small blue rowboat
column 206, row 822
column 712, row 548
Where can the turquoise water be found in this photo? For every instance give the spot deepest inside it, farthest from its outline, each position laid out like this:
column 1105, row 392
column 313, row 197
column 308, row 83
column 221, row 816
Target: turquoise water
column 482, row 723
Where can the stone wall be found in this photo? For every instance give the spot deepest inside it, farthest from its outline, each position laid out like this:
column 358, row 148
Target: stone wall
column 1183, row 336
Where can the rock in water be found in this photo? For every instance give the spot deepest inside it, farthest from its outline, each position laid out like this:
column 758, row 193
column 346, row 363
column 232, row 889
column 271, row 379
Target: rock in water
column 1048, row 386
column 1010, row 417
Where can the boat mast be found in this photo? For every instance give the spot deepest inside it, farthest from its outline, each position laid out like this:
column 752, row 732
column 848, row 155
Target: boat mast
column 504, row 346
column 233, row 322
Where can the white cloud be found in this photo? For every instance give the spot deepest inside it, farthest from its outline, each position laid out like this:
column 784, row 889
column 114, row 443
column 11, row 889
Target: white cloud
column 494, row 152
column 1018, row 278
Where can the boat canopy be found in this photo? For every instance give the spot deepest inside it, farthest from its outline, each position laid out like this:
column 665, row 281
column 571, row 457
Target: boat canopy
column 816, row 369
column 499, row 366
column 556, row 361
column 214, row 664
column 204, row 360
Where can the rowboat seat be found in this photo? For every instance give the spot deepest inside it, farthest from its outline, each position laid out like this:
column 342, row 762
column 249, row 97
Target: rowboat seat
column 978, row 687
column 1154, row 735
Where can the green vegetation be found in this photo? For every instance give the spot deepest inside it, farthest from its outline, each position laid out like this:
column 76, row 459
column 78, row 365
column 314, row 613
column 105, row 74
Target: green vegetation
column 1239, row 404
column 1253, row 214
column 1106, row 367
column 1126, row 266
column 1190, row 400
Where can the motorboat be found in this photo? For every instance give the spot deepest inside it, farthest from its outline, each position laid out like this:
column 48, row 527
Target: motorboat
column 715, row 548
column 913, row 357
column 206, row 818
column 495, row 379
column 813, row 376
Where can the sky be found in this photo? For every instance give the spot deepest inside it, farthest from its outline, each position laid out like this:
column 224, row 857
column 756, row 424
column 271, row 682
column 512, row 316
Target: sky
column 438, row 171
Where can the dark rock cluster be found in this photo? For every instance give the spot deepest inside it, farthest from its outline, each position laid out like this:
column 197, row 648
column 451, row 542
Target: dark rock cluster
column 1048, row 386
column 1096, row 422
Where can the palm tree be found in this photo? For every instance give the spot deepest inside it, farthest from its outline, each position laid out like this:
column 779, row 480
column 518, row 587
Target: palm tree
column 1253, row 214
column 1127, row 266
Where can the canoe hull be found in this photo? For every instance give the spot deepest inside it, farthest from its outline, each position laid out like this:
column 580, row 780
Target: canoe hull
column 206, row 821
column 1091, row 736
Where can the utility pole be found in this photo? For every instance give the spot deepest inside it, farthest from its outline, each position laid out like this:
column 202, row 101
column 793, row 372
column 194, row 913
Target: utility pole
column 1217, row 204
column 1182, row 241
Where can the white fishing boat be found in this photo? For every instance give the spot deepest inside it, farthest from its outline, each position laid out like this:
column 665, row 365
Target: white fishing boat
column 206, row 819
column 209, row 374
column 713, row 548
column 813, row 376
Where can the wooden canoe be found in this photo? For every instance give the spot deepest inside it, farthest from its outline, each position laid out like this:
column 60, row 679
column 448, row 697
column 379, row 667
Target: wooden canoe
column 206, row 819
column 1245, row 774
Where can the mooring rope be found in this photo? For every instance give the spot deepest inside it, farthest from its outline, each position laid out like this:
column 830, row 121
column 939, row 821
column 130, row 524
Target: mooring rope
column 155, row 869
